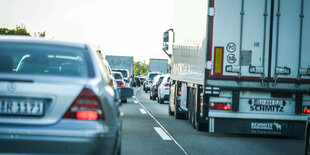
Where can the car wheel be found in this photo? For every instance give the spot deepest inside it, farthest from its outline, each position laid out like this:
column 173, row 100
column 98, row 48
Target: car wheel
column 124, row 101
column 151, row 97
column 157, row 99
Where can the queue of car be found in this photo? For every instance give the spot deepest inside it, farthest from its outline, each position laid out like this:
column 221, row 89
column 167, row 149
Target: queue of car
column 57, row 98
column 159, row 86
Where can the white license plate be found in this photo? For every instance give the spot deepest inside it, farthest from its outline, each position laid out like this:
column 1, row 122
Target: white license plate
column 21, row 107
column 265, row 102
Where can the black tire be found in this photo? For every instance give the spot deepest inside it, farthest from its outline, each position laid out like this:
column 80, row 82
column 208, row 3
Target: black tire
column 161, row 101
column 307, row 143
column 151, row 97
column 176, row 114
column 200, row 126
column 124, row 101
column 169, row 111
column 157, row 99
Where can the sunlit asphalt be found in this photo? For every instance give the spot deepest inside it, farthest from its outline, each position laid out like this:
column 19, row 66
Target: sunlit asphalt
column 148, row 129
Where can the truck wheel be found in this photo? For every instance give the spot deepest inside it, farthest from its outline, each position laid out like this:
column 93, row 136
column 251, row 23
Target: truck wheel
column 307, row 142
column 176, row 114
column 200, row 126
column 169, row 111
column 124, row 101
column 161, row 101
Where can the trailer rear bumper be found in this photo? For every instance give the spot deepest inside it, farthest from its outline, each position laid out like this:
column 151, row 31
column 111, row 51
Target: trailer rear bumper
column 257, row 126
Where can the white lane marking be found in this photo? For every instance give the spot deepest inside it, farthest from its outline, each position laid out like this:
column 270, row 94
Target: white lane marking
column 143, row 111
column 175, row 141
column 135, row 101
column 162, row 133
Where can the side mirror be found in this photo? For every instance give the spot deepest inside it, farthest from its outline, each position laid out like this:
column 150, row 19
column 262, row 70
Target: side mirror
column 165, row 47
column 166, row 36
column 125, row 92
column 168, row 42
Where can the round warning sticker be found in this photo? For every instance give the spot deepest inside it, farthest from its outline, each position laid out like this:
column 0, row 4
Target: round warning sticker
column 231, row 47
column 231, row 58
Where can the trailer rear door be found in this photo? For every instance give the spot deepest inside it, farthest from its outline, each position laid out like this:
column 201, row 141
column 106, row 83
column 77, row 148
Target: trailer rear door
column 260, row 39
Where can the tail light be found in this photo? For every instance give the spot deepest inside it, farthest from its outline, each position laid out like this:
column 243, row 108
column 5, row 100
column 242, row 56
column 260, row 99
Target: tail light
column 220, row 106
column 111, row 81
column 121, row 84
column 166, row 84
column 307, row 109
column 147, row 82
column 128, row 79
column 156, row 84
column 86, row 106
column 180, row 93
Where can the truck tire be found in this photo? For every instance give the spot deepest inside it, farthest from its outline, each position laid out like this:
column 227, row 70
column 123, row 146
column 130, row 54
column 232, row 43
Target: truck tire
column 307, row 142
column 176, row 114
column 169, row 111
column 161, row 101
column 200, row 126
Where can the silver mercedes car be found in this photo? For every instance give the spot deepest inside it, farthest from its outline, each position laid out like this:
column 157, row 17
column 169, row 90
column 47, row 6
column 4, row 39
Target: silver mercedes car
column 55, row 98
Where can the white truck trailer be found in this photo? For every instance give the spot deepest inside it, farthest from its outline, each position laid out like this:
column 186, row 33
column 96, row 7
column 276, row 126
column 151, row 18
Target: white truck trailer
column 158, row 65
column 241, row 66
column 120, row 63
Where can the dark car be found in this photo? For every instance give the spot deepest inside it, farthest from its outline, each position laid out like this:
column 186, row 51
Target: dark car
column 137, row 80
column 154, row 88
column 142, row 79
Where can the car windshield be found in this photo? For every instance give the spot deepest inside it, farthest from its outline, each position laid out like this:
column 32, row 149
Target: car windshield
column 151, row 77
column 42, row 61
column 117, row 76
column 160, row 79
column 124, row 72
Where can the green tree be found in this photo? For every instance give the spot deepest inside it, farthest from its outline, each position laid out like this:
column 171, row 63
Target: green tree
column 140, row 68
column 20, row 30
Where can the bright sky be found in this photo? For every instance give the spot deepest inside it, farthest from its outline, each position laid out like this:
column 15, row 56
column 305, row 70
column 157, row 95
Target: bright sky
column 119, row 27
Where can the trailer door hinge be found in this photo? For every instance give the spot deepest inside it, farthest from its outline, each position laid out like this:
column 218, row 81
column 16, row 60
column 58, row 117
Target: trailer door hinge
column 211, row 11
column 209, row 65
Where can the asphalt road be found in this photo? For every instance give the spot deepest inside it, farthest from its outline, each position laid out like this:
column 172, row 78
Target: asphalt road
column 148, row 130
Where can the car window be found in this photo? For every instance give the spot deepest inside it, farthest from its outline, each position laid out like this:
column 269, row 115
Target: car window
column 124, row 72
column 168, row 80
column 160, row 79
column 117, row 76
column 151, row 76
column 42, row 61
